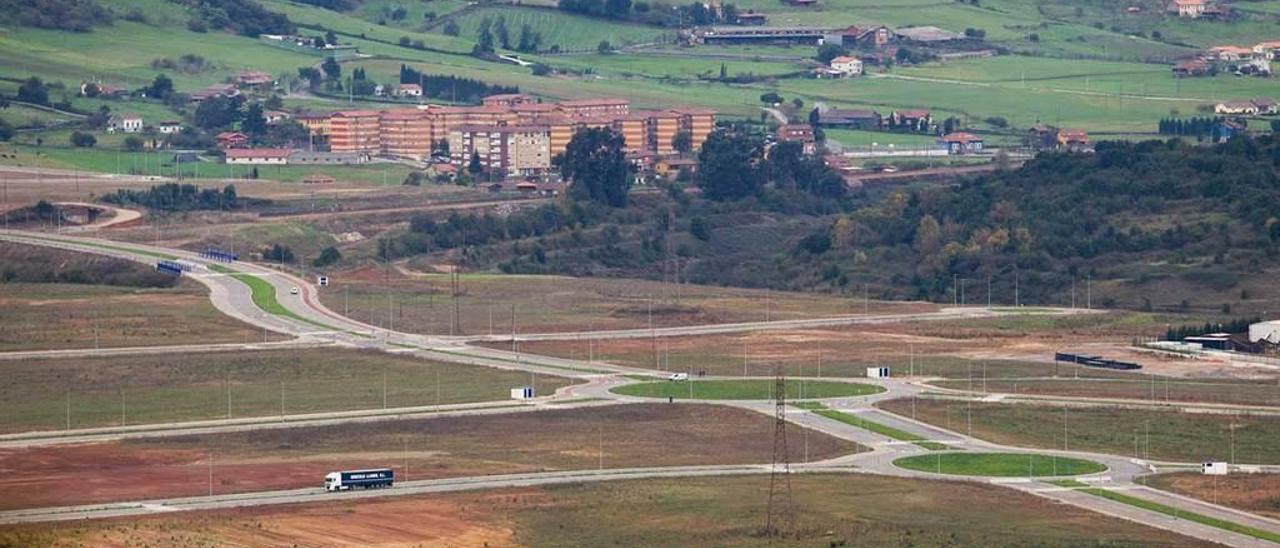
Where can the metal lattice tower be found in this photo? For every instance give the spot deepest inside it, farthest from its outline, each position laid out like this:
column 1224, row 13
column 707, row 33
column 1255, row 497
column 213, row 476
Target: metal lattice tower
column 781, row 518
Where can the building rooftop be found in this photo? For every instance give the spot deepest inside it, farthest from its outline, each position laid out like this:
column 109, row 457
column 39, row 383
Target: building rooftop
column 258, row 153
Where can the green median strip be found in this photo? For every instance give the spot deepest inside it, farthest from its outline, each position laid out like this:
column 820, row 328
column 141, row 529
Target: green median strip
column 563, row 368
column 1069, row 483
column 1181, row 514
column 883, row 430
column 264, row 296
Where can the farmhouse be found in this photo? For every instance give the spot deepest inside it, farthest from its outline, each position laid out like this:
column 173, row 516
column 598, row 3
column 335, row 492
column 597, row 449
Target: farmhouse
column 751, row 18
column 1230, row 53
column 1267, row 49
column 1236, row 107
column 798, row 133
column 258, row 156
column 231, row 139
column 216, row 90
column 1188, row 8
column 255, row 79
column 1073, row 140
column 961, row 143
column 169, row 127
column 850, row 118
column 127, row 123
column 872, row 37
column 408, row 90
column 915, row 119
column 1266, row 106
column 1192, row 67
column 847, row 66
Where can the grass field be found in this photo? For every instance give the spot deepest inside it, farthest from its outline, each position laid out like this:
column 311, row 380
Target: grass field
column 617, row 436
column 999, row 465
column 568, row 31
column 753, row 389
column 423, row 303
column 852, row 510
column 1181, row 514
column 180, row 387
column 1158, row 435
column 40, row 316
column 160, row 164
column 884, row 430
column 1160, row 389
column 1256, row 493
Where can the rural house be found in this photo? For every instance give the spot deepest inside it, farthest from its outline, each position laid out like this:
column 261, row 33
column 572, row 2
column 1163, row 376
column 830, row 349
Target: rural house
column 258, row 156
column 799, row 133
column 254, row 79
column 408, row 90
column 961, row 143
column 850, row 118
column 127, row 123
column 169, row 127
column 1236, row 107
column 847, row 66
column 1188, row 8
column 919, row 120
column 231, row 139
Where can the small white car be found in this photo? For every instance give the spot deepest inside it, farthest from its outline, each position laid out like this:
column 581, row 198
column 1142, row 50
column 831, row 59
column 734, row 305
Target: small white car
column 678, row 377
column 293, row 290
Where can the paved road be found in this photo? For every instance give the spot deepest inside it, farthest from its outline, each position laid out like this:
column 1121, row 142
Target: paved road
column 308, row 320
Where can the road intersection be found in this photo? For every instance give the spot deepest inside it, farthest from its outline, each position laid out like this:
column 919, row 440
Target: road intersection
column 310, row 323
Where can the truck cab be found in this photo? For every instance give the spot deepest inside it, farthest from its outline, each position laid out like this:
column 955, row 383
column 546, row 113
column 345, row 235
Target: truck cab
column 332, row 481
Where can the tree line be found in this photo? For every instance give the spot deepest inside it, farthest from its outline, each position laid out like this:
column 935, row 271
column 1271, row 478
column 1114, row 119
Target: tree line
column 177, row 197
column 454, row 88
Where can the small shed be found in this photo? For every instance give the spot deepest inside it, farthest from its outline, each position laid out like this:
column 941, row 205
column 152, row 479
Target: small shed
column 522, row 393
column 877, row 372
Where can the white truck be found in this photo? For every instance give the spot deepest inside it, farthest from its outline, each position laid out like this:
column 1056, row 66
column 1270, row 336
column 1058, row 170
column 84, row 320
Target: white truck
column 377, row 478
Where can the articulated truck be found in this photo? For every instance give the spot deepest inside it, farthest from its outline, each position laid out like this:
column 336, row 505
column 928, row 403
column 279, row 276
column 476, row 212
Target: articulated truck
column 364, row 479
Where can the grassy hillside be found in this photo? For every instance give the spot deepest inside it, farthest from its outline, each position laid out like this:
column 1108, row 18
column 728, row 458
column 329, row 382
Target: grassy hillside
column 569, row 32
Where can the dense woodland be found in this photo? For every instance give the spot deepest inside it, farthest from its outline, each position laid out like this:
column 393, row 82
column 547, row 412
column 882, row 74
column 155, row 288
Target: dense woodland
column 72, row 15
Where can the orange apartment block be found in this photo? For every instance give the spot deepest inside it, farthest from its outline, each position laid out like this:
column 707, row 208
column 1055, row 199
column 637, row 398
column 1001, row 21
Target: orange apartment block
column 591, row 108
column 699, row 122
column 507, row 100
column 560, row 129
column 527, row 112
column 661, row 127
column 406, row 132
column 355, row 131
column 633, row 131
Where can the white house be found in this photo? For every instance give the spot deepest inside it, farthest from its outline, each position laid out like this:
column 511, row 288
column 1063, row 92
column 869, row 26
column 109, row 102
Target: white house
column 258, row 156
column 1267, row 49
column 408, row 90
column 1235, row 107
column 849, row 66
column 1189, row 8
column 128, row 123
column 169, row 127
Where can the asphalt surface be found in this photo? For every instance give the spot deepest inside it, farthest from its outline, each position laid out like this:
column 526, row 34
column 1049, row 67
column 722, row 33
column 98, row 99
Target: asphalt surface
column 312, row 323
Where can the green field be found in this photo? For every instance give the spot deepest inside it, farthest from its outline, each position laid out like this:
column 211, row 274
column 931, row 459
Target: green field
column 1158, row 435
column 749, row 389
column 1182, row 514
column 884, row 430
column 568, row 31
column 89, row 392
column 999, row 465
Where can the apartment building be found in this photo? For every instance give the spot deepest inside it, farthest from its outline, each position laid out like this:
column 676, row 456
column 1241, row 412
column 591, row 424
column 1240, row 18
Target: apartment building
column 594, row 108
column 406, row 133
column 511, row 150
column 355, row 131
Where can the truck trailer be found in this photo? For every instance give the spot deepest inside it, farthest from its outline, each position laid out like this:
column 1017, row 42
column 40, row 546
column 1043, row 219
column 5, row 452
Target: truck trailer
column 364, row 479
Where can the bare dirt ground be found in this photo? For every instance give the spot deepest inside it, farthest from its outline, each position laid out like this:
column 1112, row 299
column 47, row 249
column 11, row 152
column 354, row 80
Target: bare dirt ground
column 1258, row 493
column 615, row 436
column 843, row 510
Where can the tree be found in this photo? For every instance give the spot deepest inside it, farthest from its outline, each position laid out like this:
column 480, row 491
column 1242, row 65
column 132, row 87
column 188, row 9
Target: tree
column 6, row 130
column 451, row 28
column 132, row 143
column 330, row 38
column 700, row 228
column 217, row 113
column 596, row 166
column 253, row 124
column 500, row 31
column 331, row 68
column 33, row 90
column 278, row 253
column 328, row 256
column 311, row 75
column 475, row 166
column 484, row 39
column 797, row 103
column 82, row 139
column 604, row 47
column 682, row 142
column 161, row 88
column 617, row 9
column 829, row 51
column 529, row 39
column 771, row 98
column 729, row 165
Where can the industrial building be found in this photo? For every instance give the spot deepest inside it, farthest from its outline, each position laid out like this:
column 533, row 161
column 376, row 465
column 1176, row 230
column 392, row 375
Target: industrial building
column 1265, row 332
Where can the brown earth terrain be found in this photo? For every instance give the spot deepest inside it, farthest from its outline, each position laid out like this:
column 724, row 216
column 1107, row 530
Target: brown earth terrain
column 561, row 439
column 845, row 510
column 1257, row 493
